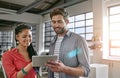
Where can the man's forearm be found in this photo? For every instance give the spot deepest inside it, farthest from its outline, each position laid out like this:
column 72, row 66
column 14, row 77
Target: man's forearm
column 77, row 71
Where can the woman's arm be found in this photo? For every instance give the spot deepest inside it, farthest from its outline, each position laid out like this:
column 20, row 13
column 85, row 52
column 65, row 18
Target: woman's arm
column 10, row 68
column 24, row 71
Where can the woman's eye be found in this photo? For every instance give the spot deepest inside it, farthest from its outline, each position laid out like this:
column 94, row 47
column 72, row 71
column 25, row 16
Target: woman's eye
column 24, row 37
column 30, row 36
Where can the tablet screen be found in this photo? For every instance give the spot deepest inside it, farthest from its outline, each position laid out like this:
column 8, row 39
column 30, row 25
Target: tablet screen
column 38, row 61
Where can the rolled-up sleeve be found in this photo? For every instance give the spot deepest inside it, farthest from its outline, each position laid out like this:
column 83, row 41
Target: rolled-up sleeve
column 83, row 56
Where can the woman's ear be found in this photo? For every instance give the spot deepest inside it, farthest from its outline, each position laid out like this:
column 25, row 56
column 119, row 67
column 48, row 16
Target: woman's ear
column 16, row 37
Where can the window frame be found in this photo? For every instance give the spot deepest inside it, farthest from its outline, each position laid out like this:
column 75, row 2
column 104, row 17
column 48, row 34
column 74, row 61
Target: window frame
column 107, row 38
column 110, row 31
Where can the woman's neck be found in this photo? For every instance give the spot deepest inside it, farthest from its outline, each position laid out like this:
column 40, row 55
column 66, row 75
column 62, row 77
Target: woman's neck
column 22, row 49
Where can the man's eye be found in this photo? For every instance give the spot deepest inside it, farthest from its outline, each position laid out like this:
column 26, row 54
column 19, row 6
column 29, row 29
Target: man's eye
column 56, row 22
column 59, row 21
column 53, row 21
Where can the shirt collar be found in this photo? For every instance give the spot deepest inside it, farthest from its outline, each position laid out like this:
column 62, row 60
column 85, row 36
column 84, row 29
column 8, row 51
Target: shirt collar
column 68, row 34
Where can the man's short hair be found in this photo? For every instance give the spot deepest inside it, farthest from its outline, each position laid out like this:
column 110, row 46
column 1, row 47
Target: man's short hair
column 59, row 11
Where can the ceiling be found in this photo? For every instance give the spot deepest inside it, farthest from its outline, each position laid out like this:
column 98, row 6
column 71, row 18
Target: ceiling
column 32, row 6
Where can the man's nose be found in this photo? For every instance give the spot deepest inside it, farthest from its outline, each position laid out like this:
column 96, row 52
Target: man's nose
column 56, row 24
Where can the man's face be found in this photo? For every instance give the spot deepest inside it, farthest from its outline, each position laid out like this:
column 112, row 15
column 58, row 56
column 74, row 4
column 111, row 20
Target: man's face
column 59, row 24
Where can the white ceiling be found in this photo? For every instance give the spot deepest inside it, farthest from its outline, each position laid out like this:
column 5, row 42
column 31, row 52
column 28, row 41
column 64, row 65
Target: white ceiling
column 36, row 6
column 39, row 7
column 20, row 2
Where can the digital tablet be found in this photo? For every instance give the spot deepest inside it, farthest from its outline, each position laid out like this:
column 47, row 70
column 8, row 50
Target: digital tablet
column 38, row 61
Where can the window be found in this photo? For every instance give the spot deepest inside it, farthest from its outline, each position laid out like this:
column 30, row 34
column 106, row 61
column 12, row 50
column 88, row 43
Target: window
column 114, row 30
column 34, row 30
column 6, row 39
column 49, row 34
column 81, row 24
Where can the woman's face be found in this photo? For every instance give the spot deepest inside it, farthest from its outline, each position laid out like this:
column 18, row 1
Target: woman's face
column 24, row 37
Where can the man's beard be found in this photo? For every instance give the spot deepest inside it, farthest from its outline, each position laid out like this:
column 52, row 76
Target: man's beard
column 61, row 31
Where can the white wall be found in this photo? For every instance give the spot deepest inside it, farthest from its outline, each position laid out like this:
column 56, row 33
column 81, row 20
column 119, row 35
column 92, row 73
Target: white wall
column 112, row 2
column 40, row 36
column 80, row 8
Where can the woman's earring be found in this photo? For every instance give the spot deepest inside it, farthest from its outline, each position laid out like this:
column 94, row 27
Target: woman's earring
column 17, row 42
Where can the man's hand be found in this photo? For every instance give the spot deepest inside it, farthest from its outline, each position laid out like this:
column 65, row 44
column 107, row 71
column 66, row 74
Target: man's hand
column 55, row 66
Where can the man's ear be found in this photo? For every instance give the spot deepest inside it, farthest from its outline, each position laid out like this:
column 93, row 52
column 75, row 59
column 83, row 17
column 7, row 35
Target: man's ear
column 67, row 21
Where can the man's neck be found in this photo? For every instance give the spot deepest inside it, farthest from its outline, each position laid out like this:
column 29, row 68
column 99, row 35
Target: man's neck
column 62, row 35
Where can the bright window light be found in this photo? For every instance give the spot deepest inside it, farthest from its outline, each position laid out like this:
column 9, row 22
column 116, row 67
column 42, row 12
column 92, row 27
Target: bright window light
column 115, row 43
column 111, row 44
column 114, row 10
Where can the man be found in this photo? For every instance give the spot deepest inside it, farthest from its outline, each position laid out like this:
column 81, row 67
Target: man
column 71, row 49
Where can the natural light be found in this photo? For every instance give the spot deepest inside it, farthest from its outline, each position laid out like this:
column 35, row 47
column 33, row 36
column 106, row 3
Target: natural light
column 111, row 31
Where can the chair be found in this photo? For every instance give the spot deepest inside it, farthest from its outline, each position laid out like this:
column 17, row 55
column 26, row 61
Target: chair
column 4, row 73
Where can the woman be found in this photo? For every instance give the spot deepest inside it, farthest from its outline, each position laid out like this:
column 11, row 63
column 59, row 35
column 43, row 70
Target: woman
column 17, row 62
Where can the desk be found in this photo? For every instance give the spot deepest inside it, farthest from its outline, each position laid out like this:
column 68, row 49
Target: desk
column 98, row 71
